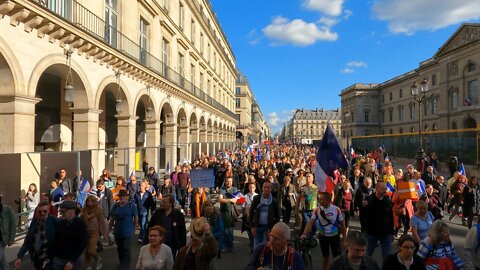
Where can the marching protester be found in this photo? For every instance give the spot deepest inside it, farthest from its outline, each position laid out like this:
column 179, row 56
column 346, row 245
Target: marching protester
column 332, row 224
column 343, row 199
column 124, row 220
column 287, row 199
column 228, row 211
column 92, row 215
column 216, row 224
column 263, row 214
column 246, row 212
column 355, row 255
column 39, row 241
column 405, row 258
column 379, row 220
column 166, row 188
column 421, row 222
column 144, row 200
column 471, row 200
column 437, row 249
column 472, row 248
column 456, row 191
column 119, row 185
column 201, row 249
column 70, row 238
column 363, row 192
column 402, row 209
column 132, row 187
column 155, row 255
column 173, row 221
column 275, row 253
column 32, row 198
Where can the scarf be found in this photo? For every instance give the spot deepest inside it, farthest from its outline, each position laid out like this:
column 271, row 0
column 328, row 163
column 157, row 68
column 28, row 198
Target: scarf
column 266, row 201
column 199, row 202
column 93, row 211
column 40, row 243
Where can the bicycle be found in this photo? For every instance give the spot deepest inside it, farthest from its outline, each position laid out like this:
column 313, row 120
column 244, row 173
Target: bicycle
column 304, row 246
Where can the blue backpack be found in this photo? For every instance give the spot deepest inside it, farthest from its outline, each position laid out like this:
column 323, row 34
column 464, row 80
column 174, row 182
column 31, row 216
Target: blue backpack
column 478, row 235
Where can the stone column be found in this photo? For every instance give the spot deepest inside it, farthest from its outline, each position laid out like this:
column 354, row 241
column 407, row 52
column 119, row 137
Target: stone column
column 203, row 141
column 126, row 141
column 183, row 142
column 194, row 145
column 170, row 144
column 211, row 145
column 152, row 129
column 85, row 137
column 17, row 124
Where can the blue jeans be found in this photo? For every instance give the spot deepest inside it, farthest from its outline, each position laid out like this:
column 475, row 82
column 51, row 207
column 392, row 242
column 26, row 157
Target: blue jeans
column 385, row 244
column 3, row 259
column 124, row 251
column 228, row 239
column 307, row 215
column 261, row 235
column 143, row 222
column 59, row 263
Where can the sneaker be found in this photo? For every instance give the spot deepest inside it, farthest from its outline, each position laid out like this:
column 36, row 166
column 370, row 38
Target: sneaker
column 99, row 263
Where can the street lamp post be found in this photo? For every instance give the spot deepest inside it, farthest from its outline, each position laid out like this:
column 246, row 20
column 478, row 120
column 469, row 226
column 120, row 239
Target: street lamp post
column 419, row 92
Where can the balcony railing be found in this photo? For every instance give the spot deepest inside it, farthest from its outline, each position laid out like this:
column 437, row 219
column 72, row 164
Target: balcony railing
column 86, row 20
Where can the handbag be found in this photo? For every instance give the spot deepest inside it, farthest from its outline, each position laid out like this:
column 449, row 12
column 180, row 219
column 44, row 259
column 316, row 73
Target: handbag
column 402, row 211
column 234, row 214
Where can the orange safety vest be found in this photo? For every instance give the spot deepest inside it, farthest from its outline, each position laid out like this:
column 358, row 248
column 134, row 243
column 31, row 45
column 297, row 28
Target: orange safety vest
column 406, row 190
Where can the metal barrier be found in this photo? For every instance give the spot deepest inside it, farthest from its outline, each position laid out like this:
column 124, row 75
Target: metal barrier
column 464, row 143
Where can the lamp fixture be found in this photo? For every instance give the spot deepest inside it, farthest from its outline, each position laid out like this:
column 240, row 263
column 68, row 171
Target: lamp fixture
column 118, row 100
column 69, row 89
column 149, row 112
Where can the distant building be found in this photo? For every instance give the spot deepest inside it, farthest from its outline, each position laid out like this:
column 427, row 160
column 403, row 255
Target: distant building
column 307, row 126
column 452, row 101
column 252, row 124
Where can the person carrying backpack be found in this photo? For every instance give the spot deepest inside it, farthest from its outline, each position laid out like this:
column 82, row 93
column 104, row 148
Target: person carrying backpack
column 332, row 224
column 124, row 216
column 275, row 253
column 472, row 249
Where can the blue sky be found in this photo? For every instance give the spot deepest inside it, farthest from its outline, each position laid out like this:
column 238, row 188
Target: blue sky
column 302, row 53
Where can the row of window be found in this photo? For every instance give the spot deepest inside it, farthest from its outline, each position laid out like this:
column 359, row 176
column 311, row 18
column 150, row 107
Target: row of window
column 111, row 22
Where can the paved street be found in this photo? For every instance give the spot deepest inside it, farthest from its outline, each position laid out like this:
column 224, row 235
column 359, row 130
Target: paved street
column 238, row 259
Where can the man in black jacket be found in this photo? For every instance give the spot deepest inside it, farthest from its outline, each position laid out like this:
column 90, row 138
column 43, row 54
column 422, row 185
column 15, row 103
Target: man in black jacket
column 356, row 180
column 362, row 193
column 70, row 238
column 379, row 220
column 264, row 214
column 173, row 221
column 39, row 240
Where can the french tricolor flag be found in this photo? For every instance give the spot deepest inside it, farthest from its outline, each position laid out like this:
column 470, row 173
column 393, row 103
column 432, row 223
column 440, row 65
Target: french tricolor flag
column 421, row 187
column 237, row 195
column 390, row 189
column 330, row 158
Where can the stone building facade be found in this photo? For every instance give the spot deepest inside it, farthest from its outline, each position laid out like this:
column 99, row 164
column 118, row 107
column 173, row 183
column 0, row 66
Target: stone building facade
column 452, row 101
column 252, row 124
column 307, row 126
column 139, row 74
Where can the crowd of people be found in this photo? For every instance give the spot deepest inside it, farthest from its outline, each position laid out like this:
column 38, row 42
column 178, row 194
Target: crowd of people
column 273, row 193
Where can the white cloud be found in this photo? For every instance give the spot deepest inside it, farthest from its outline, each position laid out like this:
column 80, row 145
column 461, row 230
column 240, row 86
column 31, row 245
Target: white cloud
column 357, row 64
column 347, row 70
column 327, row 21
column 408, row 16
column 329, row 7
column 273, row 119
column 253, row 37
column 347, row 13
column 297, row 32
column 276, row 120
